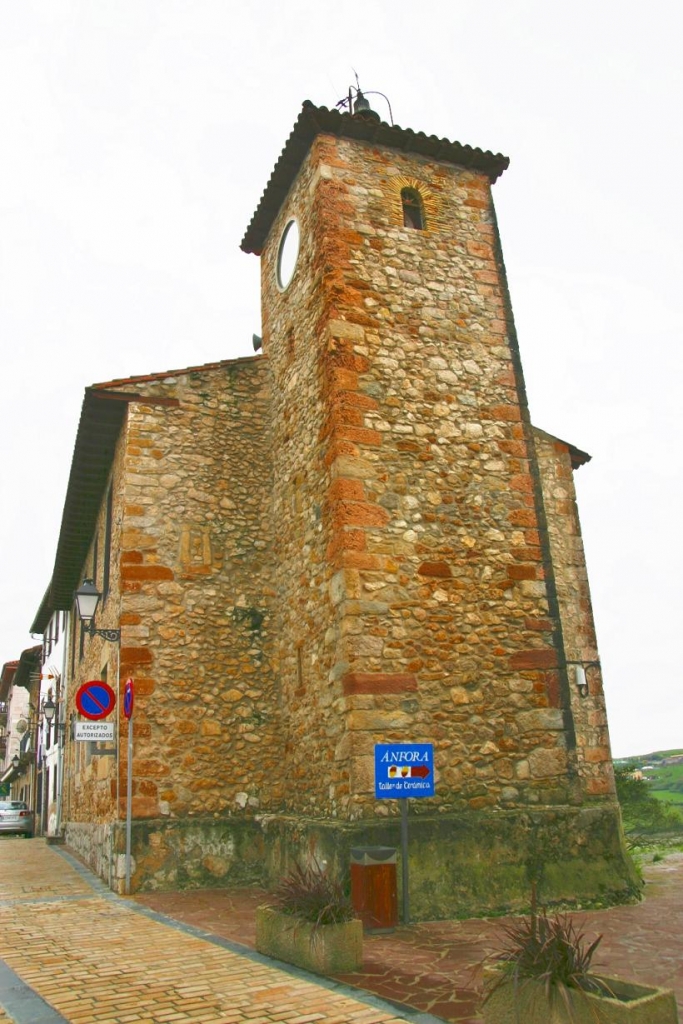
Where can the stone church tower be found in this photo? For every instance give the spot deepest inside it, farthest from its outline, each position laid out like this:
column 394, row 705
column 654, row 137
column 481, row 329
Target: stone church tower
column 355, row 539
column 429, row 572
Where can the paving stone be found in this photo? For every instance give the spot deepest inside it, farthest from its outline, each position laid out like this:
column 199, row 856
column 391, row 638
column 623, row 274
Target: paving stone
column 97, row 959
column 434, row 967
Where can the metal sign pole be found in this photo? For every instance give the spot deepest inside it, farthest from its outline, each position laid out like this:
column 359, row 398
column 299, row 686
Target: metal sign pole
column 404, row 860
column 129, row 801
column 128, row 704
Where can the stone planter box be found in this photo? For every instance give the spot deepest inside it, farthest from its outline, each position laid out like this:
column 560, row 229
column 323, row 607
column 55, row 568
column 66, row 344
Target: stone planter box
column 632, row 1004
column 327, row 949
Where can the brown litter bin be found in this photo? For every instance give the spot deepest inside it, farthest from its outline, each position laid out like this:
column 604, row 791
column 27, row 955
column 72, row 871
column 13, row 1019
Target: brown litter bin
column 373, row 887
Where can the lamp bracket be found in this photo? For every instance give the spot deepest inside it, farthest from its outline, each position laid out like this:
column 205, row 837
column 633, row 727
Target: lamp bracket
column 113, row 635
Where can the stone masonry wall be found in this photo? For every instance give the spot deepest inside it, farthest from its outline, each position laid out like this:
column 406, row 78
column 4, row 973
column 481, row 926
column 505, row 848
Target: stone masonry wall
column 411, row 510
column 590, row 716
column 196, row 593
column 193, row 549
column 306, row 622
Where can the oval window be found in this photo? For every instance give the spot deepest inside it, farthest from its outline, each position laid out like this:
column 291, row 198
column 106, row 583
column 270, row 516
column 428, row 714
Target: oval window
column 287, row 254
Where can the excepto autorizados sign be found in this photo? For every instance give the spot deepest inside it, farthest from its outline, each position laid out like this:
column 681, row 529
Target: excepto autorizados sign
column 404, row 770
column 95, row 732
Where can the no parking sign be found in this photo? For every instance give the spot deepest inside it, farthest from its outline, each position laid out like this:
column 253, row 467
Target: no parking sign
column 95, row 699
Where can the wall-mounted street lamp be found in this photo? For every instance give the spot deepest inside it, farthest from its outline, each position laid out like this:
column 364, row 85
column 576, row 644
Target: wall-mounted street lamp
column 16, row 761
column 48, row 707
column 87, row 599
column 581, row 675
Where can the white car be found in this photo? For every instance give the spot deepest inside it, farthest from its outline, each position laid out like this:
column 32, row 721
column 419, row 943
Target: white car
column 16, row 817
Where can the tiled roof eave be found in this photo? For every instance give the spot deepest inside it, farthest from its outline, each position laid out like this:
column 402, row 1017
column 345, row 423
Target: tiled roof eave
column 577, row 455
column 98, row 432
column 29, row 663
column 313, row 121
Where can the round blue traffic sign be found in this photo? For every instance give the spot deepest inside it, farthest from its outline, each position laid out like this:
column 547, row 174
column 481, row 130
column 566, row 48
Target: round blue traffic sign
column 95, row 699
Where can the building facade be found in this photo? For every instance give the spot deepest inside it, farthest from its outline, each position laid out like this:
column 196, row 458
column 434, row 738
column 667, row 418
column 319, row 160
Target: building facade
column 22, row 740
column 355, row 538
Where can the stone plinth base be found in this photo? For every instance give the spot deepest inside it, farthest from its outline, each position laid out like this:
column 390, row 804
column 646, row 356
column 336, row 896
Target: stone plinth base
column 478, row 863
column 461, row 865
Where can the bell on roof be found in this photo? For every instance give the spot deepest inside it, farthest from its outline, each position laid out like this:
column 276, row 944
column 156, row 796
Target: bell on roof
column 361, row 108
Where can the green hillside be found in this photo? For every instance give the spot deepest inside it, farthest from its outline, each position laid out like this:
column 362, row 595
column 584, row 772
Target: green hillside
column 663, row 781
column 666, row 782
column 656, row 755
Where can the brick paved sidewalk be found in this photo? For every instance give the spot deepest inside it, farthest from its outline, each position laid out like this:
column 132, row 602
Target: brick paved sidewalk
column 435, row 967
column 75, row 952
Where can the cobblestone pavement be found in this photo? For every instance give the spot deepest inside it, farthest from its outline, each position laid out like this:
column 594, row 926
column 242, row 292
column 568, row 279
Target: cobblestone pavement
column 436, row 967
column 75, row 952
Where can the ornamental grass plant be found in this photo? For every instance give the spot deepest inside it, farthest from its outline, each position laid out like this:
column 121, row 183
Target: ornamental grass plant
column 550, row 950
column 309, row 921
column 311, row 894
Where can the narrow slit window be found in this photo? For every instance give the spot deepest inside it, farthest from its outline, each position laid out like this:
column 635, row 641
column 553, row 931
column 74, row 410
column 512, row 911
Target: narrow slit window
column 413, row 215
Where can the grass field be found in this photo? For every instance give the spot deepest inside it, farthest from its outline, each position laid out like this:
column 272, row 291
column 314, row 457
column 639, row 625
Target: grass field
column 666, row 782
column 668, row 773
column 668, row 797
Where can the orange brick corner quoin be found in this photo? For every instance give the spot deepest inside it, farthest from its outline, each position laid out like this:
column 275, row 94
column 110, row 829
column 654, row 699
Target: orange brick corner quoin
column 543, row 657
column 146, row 572
column 131, row 656
column 379, row 682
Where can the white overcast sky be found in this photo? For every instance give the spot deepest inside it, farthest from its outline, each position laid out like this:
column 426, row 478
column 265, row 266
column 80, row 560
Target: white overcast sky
column 136, row 137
